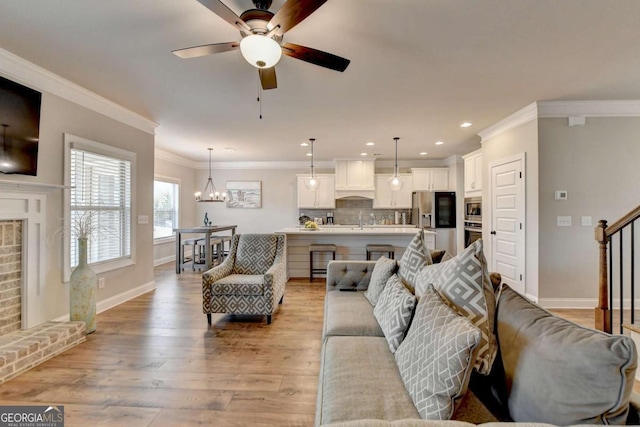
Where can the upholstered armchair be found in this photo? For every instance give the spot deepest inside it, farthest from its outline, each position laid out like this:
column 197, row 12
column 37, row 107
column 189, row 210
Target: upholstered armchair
column 250, row 280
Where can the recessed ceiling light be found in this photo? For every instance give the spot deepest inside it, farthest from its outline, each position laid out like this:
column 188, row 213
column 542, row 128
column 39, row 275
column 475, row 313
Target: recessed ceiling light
column 371, row 143
column 229, row 149
column 424, row 153
column 363, row 154
column 465, row 125
column 304, row 144
column 439, row 142
column 309, row 154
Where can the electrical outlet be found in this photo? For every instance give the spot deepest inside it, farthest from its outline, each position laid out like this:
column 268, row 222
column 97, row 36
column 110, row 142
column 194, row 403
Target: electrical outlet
column 101, row 283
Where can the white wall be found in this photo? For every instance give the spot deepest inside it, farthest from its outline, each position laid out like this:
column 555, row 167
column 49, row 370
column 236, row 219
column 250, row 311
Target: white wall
column 521, row 139
column 598, row 164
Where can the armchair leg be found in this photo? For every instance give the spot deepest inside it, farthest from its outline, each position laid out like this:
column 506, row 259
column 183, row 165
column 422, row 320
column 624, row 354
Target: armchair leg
column 268, row 319
column 281, row 299
column 209, row 318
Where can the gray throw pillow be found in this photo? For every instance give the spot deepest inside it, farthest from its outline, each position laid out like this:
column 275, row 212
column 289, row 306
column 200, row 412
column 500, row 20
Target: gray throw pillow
column 415, row 257
column 464, row 283
column 382, row 271
column 394, row 310
column 557, row 372
column 436, row 358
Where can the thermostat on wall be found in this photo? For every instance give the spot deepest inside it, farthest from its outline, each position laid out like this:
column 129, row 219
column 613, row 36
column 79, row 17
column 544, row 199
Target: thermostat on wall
column 561, row 195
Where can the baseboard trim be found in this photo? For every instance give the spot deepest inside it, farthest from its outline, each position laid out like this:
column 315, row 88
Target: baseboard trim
column 116, row 300
column 165, row 260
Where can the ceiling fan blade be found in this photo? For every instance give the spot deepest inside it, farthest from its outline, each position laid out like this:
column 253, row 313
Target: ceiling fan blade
column 292, row 13
column 219, row 8
column 316, row 57
column 268, row 78
column 204, row 50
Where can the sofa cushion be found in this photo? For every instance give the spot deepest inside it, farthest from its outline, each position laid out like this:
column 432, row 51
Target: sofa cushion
column 359, row 379
column 349, row 313
column 436, row 358
column 255, row 253
column 383, row 270
column 394, row 310
column 415, row 257
column 464, row 283
column 558, row 372
column 239, row 284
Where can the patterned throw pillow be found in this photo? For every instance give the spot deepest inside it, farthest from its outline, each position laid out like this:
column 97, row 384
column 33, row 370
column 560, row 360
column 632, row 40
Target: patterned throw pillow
column 394, row 310
column 415, row 257
column 382, row 271
column 464, row 283
column 436, row 358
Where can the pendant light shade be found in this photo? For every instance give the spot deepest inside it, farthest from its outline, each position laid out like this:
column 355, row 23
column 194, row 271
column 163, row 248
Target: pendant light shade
column 312, row 183
column 210, row 194
column 395, row 182
column 260, row 51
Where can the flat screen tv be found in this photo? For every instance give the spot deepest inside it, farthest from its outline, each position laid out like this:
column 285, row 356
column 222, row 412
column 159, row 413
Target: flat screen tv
column 19, row 128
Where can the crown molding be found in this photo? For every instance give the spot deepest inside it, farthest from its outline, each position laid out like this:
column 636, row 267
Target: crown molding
column 561, row 109
column 520, row 117
column 263, row 165
column 174, row 158
column 29, row 74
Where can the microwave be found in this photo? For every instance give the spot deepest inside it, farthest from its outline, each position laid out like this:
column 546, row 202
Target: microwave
column 473, row 208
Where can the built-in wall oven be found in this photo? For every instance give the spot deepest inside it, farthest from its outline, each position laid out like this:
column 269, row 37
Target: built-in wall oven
column 472, row 220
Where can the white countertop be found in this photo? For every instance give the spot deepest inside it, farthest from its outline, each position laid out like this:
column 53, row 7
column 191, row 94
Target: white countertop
column 377, row 230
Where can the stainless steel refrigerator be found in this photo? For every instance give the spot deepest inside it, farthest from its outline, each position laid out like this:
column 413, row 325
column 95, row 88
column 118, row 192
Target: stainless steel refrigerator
column 436, row 211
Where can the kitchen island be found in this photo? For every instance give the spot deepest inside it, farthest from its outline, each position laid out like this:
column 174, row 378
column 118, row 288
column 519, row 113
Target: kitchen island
column 350, row 243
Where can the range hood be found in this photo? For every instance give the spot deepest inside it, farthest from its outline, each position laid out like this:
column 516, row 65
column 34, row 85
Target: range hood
column 355, row 178
column 355, row 194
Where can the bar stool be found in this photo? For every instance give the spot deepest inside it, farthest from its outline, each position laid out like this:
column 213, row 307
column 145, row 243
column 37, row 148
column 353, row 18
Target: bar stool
column 317, row 247
column 194, row 243
column 372, row 247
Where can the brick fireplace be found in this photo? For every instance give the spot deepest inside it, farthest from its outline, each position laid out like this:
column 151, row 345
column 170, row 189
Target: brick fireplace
column 27, row 337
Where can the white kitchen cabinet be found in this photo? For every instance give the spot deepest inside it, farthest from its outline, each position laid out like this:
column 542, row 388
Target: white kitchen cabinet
column 430, row 179
column 355, row 175
column 473, row 174
column 385, row 198
column 322, row 198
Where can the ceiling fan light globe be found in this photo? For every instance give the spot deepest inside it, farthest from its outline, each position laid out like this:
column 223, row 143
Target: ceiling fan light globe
column 260, row 51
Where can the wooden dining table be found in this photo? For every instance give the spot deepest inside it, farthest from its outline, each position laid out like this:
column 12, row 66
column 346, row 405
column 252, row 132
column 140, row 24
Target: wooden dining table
column 207, row 231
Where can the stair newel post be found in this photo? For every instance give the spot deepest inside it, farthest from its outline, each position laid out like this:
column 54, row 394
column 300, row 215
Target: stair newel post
column 603, row 320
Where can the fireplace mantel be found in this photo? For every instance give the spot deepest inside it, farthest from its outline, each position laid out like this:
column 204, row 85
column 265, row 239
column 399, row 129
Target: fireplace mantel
column 28, row 186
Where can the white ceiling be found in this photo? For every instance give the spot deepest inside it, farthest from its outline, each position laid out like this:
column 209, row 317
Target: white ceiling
column 418, row 69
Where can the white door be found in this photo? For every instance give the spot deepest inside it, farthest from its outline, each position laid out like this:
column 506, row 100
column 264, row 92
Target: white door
column 507, row 221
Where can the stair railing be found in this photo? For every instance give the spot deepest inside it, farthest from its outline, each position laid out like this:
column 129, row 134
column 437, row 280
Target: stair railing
column 604, row 235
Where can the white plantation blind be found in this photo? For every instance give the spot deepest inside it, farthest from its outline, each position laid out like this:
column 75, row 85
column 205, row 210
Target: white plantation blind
column 102, row 192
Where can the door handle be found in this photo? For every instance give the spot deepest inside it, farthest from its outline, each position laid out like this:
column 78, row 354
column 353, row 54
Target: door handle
column 493, row 232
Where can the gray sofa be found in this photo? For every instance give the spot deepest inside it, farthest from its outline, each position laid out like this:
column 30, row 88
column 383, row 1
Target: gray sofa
column 530, row 381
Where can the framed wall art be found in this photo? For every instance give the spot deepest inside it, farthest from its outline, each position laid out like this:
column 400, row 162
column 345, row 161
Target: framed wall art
column 244, row 194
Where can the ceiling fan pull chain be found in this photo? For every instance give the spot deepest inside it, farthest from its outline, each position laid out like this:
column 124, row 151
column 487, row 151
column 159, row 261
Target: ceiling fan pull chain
column 260, row 96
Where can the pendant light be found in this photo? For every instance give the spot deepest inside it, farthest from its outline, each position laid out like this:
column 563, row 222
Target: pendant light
column 312, row 183
column 395, row 182
column 210, row 192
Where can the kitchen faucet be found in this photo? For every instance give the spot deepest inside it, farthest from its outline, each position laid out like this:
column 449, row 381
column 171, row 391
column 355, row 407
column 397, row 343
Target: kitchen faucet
column 360, row 220
column 372, row 219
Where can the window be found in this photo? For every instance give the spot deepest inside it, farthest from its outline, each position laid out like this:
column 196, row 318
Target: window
column 165, row 207
column 101, row 178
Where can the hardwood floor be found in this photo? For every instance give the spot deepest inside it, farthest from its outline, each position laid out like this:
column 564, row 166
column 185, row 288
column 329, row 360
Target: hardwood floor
column 154, row 361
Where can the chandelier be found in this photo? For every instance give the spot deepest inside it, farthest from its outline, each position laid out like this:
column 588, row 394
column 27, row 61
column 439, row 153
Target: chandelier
column 210, row 193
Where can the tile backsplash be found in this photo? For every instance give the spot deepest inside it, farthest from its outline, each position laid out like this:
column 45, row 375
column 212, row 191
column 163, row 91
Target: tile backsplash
column 347, row 211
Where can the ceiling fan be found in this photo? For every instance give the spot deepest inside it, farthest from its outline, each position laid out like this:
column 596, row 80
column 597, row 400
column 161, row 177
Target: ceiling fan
column 262, row 34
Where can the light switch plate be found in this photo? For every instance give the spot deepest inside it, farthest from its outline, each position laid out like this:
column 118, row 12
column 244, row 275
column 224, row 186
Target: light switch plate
column 143, row 219
column 563, row 221
column 585, row 221
column 561, row 195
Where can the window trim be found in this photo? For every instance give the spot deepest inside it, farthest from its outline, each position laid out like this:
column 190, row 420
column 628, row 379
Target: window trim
column 170, row 180
column 74, row 141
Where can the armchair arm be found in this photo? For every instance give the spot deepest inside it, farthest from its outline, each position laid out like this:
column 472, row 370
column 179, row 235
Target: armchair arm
column 210, row 277
column 349, row 274
column 276, row 277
